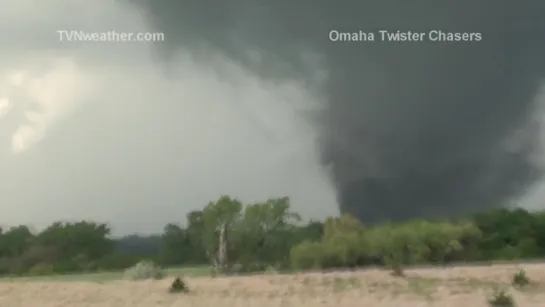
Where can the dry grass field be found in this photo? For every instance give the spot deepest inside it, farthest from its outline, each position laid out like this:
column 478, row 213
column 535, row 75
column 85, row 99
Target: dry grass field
column 459, row 286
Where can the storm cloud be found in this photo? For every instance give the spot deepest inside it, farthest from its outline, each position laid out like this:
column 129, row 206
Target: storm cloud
column 104, row 131
column 252, row 99
column 406, row 129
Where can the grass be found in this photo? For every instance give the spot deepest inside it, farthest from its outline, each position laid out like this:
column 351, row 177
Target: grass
column 108, row 276
column 373, row 287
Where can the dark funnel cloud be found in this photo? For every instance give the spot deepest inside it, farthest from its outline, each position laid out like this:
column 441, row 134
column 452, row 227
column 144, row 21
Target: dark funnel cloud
column 409, row 128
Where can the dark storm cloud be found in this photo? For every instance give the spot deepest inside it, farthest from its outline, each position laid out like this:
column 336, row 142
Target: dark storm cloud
column 410, row 129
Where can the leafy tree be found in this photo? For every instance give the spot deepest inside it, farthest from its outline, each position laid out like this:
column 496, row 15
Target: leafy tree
column 76, row 243
column 194, row 233
column 312, row 231
column 266, row 232
column 510, row 234
column 15, row 241
column 175, row 245
column 270, row 233
column 341, row 225
column 143, row 245
column 225, row 211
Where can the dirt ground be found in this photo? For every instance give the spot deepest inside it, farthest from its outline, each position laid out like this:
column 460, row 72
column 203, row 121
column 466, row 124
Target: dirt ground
column 460, row 286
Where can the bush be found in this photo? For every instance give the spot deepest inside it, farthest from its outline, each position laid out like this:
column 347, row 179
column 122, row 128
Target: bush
column 213, row 272
column 307, row 255
column 397, row 270
column 420, row 241
column 501, row 298
column 11, row 266
column 144, row 270
column 271, row 270
column 520, row 279
column 345, row 250
column 41, row 269
column 178, row 286
column 66, row 266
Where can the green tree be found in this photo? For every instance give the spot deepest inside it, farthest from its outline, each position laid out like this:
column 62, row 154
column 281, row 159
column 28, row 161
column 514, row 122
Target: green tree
column 510, row 234
column 195, row 234
column 77, row 243
column 15, row 241
column 224, row 212
column 175, row 245
column 266, row 232
column 342, row 225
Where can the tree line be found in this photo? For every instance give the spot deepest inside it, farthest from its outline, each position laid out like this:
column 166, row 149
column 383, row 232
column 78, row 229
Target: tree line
column 269, row 234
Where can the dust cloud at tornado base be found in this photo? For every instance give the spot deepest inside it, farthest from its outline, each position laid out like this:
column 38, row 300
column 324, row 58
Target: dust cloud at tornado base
column 408, row 129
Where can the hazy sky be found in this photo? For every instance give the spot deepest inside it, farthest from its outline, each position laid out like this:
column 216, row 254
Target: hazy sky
column 101, row 131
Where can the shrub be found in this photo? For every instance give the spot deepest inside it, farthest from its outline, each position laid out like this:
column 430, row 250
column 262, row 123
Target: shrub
column 271, row 270
column 41, row 269
column 307, row 255
column 501, row 298
column 344, row 250
column 66, row 266
column 397, row 270
column 11, row 266
column 144, row 270
column 520, row 279
column 178, row 286
column 213, row 271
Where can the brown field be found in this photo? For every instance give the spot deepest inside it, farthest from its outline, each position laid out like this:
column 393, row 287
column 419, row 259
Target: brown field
column 459, row 286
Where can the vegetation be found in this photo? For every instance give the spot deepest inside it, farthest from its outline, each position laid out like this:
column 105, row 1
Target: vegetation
column 178, row 286
column 144, row 270
column 501, row 298
column 520, row 279
column 270, row 236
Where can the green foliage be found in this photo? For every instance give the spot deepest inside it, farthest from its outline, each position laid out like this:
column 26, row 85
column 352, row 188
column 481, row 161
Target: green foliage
column 271, row 270
column 174, row 239
column 510, row 234
column 269, row 235
column 347, row 243
column 144, row 270
column 11, row 266
column 225, row 210
column 178, row 286
column 85, row 238
column 265, row 233
column 501, row 298
column 342, row 225
column 66, row 266
column 307, row 255
column 520, row 279
column 422, row 241
column 41, row 269
column 15, row 241
column 37, row 253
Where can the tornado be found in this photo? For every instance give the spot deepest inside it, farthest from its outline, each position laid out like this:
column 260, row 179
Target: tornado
column 427, row 127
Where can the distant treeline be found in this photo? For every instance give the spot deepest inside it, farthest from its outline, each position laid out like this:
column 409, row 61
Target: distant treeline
column 270, row 235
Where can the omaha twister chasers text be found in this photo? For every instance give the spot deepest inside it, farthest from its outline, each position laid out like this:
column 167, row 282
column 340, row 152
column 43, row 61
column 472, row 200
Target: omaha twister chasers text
column 398, row 36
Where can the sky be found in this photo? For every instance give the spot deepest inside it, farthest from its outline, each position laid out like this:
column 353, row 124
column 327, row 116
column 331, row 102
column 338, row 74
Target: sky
column 137, row 134
column 107, row 132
